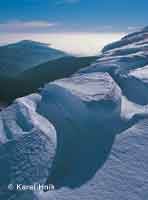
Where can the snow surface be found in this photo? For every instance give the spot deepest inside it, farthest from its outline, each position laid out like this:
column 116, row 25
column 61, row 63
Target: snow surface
column 28, row 143
column 129, row 53
column 124, row 174
column 129, row 109
column 122, row 60
column 141, row 73
column 78, row 108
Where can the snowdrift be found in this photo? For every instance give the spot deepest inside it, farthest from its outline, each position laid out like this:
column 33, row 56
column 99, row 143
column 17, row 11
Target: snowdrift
column 79, row 108
column 123, row 176
column 122, row 58
column 28, row 145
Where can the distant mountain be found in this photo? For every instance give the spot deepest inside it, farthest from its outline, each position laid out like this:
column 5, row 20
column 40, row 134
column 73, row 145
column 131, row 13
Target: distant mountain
column 33, row 78
column 15, row 58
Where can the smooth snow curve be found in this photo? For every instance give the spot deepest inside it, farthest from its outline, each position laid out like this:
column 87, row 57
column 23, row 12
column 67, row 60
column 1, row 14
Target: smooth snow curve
column 123, row 176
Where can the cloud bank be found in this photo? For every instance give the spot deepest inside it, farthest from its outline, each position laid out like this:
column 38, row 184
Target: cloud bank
column 83, row 44
column 21, row 26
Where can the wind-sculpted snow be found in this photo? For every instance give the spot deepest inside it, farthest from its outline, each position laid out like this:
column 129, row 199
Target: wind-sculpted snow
column 79, row 107
column 124, row 175
column 132, row 111
column 121, row 59
column 134, row 40
column 129, row 53
column 141, row 73
column 133, row 88
column 28, row 144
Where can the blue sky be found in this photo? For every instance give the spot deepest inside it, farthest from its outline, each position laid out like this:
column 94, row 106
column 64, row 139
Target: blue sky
column 77, row 26
column 73, row 15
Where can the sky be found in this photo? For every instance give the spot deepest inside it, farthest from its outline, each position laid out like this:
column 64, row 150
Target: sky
column 78, row 26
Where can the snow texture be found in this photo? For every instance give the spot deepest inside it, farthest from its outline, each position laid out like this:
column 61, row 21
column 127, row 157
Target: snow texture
column 79, row 108
column 28, row 143
column 123, row 176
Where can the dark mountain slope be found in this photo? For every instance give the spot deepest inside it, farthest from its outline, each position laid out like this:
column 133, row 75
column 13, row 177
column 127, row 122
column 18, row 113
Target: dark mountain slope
column 30, row 80
column 15, row 58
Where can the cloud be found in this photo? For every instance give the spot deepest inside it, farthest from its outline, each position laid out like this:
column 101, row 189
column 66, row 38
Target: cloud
column 18, row 26
column 82, row 44
column 107, row 27
column 134, row 28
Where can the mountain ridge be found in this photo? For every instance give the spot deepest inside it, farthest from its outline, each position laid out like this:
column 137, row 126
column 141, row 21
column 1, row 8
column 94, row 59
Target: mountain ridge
column 20, row 56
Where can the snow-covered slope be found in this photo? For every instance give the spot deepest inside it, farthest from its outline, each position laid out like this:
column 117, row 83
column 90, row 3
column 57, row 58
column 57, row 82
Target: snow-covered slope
column 88, row 131
column 141, row 73
column 79, row 108
column 129, row 53
column 124, row 175
column 120, row 59
column 16, row 58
